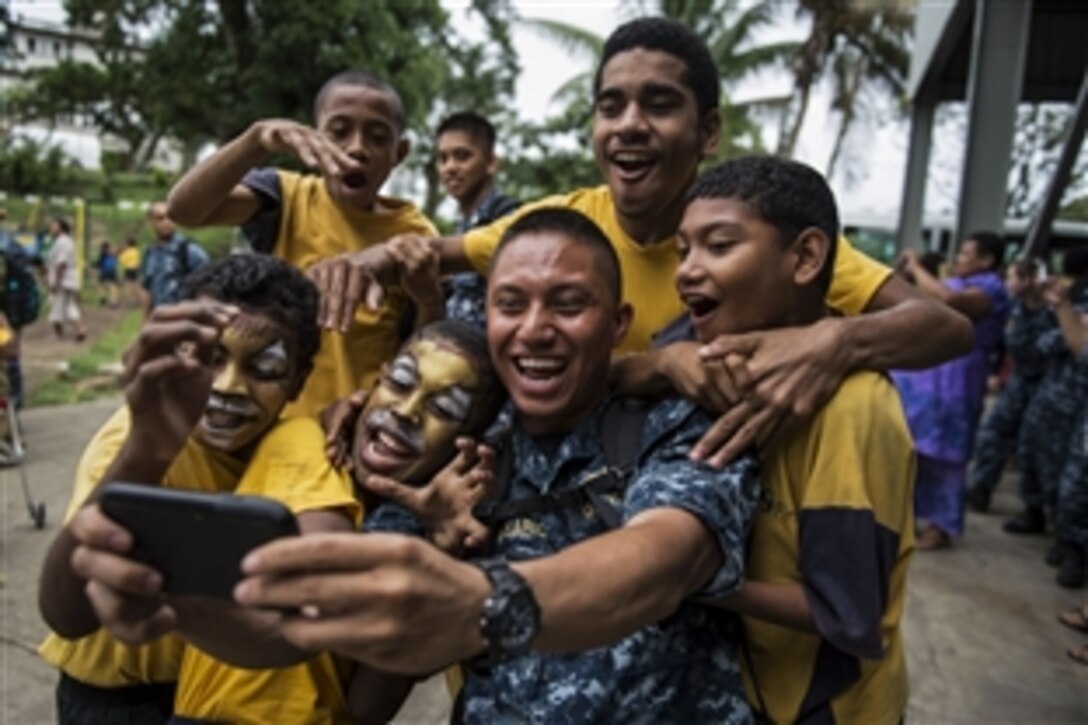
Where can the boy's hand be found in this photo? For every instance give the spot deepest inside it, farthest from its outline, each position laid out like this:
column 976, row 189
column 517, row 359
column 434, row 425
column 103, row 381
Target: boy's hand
column 307, row 144
column 1055, row 292
column 126, row 596
column 338, row 422
column 782, row 376
column 348, row 279
column 709, row 383
column 444, row 505
column 169, row 372
column 417, row 270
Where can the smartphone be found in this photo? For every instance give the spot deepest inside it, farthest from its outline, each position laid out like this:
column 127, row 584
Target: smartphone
column 196, row 540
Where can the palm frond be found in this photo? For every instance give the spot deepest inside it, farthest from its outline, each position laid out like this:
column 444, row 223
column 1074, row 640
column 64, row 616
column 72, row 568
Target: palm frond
column 572, row 38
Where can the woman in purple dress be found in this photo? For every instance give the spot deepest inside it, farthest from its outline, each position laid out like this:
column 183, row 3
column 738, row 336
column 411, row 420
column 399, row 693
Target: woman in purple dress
column 943, row 404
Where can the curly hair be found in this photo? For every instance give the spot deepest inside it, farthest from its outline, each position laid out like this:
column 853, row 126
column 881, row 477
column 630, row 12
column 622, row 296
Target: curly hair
column 676, row 39
column 788, row 195
column 265, row 284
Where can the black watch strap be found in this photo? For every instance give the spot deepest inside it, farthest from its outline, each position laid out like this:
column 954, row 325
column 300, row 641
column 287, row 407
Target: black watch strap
column 510, row 617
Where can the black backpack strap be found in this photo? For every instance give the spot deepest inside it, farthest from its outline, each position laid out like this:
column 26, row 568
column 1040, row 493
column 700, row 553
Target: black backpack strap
column 621, row 430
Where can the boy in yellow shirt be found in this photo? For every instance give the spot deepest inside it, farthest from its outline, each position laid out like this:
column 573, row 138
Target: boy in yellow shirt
column 207, row 381
column 826, row 570
column 356, row 141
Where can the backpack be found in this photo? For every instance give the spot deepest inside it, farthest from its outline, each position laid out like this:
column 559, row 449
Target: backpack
column 621, row 433
column 22, row 297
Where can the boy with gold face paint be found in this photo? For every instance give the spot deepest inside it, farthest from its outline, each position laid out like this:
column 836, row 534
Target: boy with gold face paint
column 206, row 382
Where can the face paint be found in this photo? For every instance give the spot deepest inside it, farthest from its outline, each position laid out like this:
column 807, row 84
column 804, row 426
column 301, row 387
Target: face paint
column 255, row 377
column 423, row 401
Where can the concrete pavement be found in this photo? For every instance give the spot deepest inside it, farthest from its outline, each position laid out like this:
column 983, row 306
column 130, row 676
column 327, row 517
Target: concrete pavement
column 982, row 642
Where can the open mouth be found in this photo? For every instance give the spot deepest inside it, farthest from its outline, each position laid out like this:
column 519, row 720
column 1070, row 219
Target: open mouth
column 385, row 447
column 540, row 368
column 700, row 308
column 355, row 181
column 631, row 165
column 224, row 416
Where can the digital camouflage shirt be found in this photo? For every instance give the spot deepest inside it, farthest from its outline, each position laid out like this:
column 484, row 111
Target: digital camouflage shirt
column 683, row 669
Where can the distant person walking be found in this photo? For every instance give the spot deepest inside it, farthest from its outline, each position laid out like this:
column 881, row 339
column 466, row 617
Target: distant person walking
column 62, row 276
column 107, row 275
column 129, row 260
column 167, row 262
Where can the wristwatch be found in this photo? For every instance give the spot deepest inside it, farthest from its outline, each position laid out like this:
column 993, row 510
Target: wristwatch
column 510, row 618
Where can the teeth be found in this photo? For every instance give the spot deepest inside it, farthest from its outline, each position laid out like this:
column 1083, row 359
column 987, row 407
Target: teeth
column 393, row 444
column 540, row 364
column 629, row 158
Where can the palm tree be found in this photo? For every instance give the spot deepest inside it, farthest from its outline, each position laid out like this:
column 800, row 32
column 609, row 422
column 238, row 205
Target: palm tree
column 727, row 27
column 863, row 43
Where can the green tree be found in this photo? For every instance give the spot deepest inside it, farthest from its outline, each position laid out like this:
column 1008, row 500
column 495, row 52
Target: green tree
column 864, row 43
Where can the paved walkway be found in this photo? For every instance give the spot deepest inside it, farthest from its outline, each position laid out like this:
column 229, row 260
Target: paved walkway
column 982, row 640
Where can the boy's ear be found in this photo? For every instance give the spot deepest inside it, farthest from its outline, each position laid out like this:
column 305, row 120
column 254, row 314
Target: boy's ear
column 493, row 165
column 810, row 251
column 404, row 145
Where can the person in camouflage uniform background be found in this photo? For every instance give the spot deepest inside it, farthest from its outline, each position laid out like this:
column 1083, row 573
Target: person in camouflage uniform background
column 997, row 436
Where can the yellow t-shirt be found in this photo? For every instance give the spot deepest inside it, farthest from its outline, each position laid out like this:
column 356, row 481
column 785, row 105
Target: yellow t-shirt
column 649, row 271
column 845, row 477
column 99, row 659
column 314, row 227
column 290, row 466
column 129, row 258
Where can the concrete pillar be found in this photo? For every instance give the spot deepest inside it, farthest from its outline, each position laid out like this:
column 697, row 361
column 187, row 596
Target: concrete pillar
column 999, row 48
column 912, row 208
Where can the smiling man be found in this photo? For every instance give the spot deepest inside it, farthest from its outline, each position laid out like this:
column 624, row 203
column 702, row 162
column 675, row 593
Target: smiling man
column 207, row 380
column 655, row 118
column 356, row 141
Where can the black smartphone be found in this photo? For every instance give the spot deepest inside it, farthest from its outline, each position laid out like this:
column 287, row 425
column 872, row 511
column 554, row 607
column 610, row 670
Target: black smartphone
column 196, row 540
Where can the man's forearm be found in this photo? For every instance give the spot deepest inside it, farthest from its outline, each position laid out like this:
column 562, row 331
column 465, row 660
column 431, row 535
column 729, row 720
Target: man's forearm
column 200, row 196
column 902, row 329
column 597, row 592
column 639, row 374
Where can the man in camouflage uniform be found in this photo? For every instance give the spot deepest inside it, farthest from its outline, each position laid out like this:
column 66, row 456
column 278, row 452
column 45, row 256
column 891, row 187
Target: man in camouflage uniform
column 572, row 620
column 1046, row 433
column 997, row 435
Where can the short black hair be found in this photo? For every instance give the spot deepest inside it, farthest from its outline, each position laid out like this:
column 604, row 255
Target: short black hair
column 989, row 244
column 476, row 126
column 366, row 79
column 575, row 226
column 676, row 39
column 266, row 284
column 1026, row 267
column 788, row 195
column 472, row 343
column 63, row 224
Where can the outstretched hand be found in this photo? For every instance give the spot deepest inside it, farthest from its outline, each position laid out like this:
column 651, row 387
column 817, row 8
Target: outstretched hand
column 781, row 377
column 393, row 602
column 168, row 371
column 126, row 595
column 418, row 275
column 444, row 505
